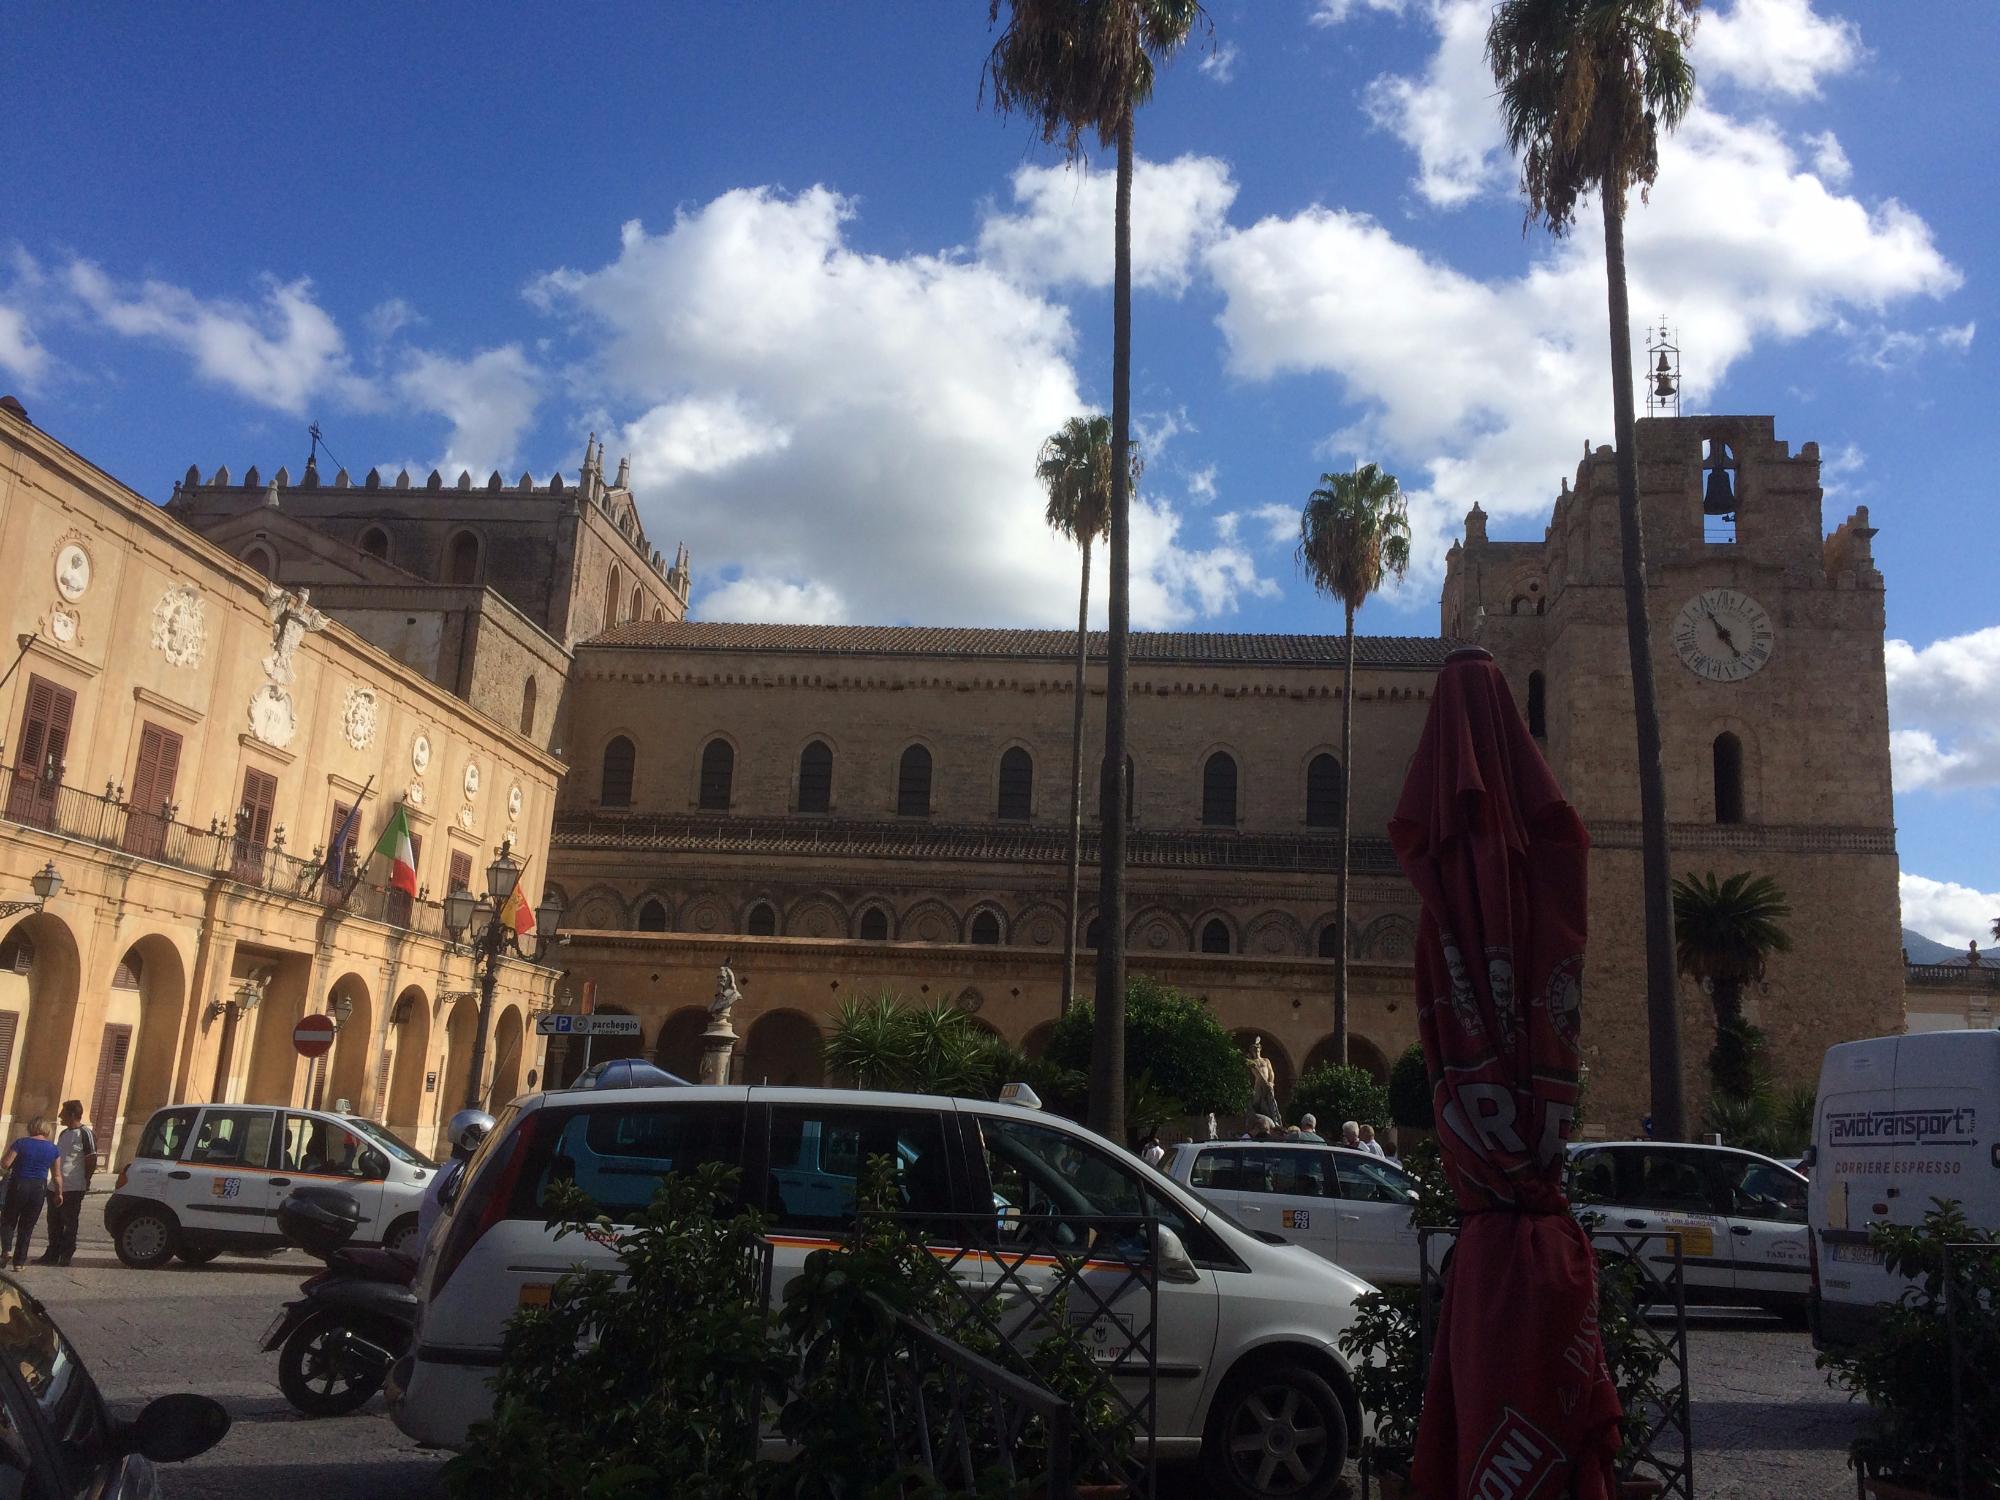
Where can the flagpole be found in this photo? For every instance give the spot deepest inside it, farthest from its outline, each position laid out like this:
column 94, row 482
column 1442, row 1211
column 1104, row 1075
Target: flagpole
column 360, row 860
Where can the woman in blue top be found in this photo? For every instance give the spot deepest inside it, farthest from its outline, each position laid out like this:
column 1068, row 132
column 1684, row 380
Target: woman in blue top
column 29, row 1165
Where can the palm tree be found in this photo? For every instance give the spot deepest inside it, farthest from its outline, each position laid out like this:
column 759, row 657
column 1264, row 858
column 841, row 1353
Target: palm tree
column 1724, row 931
column 1073, row 66
column 1074, row 466
column 1996, row 929
column 1353, row 533
column 1586, row 86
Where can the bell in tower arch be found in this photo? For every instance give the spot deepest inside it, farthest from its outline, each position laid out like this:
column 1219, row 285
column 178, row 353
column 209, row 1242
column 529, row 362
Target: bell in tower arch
column 1719, row 497
column 1663, row 380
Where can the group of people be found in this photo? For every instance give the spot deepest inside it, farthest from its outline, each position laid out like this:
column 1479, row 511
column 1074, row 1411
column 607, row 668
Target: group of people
column 46, row 1173
column 1353, row 1134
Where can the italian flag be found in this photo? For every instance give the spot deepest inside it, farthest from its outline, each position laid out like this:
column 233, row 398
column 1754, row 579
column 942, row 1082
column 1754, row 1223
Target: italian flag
column 402, row 857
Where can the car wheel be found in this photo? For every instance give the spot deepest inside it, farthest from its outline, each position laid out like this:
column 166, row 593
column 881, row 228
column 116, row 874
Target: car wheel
column 1277, row 1433
column 402, row 1236
column 320, row 1375
column 1793, row 1312
column 146, row 1240
column 197, row 1255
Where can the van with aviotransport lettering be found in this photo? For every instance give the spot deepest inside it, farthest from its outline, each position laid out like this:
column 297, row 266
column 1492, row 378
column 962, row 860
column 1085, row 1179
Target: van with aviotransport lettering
column 1901, row 1122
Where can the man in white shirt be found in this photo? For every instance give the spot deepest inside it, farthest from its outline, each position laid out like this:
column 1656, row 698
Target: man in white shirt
column 76, row 1160
column 1369, row 1144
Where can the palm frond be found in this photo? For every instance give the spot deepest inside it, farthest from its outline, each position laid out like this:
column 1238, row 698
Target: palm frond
column 1075, row 66
column 1353, row 533
column 1725, row 930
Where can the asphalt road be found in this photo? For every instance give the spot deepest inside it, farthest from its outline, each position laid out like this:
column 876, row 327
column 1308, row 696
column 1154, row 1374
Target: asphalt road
column 1767, row 1427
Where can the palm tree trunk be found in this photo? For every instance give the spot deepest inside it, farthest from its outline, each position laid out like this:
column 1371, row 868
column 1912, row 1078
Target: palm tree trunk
column 1076, row 784
column 1346, row 808
column 1107, row 1049
column 1727, row 997
column 1662, row 996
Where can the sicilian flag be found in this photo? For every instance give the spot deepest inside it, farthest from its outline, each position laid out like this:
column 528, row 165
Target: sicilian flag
column 401, row 854
column 515, row 914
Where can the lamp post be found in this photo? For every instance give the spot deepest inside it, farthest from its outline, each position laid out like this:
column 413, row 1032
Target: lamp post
column 46, row 883
column 489, row 938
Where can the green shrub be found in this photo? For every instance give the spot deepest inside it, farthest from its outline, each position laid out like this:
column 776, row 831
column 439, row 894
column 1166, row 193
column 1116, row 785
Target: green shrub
column 1172, row 1041
column 1339, row 1092
column 1410, row 1090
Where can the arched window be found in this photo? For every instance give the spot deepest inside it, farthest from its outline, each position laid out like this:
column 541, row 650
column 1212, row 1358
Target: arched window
column 718, row 769
column 1017, row 784
column 652, row 915
column 874, row 925
column 762, row 921
column 1323, row 792
column 1131, row 792
column 461, row 559
column 638, row 605
column 985, row 928
column 1329, row 940
column 1215, row 936
column 1538, row 705
column 1093, row 935
column 615, row 787
column 913, row 783
column 528, row 707
column 659, row 612
column 816, row 778
column 1218, row 790
column 1728, row 779
column 375, row 542
column 613, row 587
column 262, row 559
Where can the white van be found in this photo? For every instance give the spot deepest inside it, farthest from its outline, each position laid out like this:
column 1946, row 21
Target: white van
column 209, row 1178
column 1901, row 1121
column 1246, row 1336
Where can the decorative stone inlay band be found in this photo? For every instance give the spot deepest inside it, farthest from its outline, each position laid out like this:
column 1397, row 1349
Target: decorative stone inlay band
column 1776, row 838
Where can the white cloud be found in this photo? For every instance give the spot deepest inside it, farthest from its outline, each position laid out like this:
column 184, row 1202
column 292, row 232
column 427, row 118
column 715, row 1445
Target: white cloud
column 1281, row 524
column 1448, row 116
column 19, row 350
column 489, row 400
column 1944, row 704
column 1333, row 12
column 1201, row 484
column 1885, row 348
column 1775, row 46
column 1829, row 158
column 843, row 435
column 387, row 319
column 1949, row 912
column 1220, row 64
column 284, row 351
column 1061, row 231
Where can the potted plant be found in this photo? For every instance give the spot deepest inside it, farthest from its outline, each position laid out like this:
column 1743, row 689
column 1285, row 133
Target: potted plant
column 1904, row 1368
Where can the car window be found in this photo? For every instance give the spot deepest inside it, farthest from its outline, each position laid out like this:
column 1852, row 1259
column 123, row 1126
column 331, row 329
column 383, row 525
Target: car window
column 233, row 1138
column 313, row 1145
column 618, row 1154
column 1673, row 1182
column 1220, row 1169
column 56, row 1380
column 1593, row 1177
column 16, row 1461
column 167, row 1134
column 1366, row 1181
column 391, row 1144
column 1289, row 1174
column 817, row 1155
column 1763, row 1190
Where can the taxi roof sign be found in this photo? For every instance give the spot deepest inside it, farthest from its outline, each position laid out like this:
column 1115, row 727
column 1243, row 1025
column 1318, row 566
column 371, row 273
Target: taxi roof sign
column 1021, row 1094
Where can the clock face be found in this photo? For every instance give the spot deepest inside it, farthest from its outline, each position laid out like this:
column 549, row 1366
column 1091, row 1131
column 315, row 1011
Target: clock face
column 1723, row 635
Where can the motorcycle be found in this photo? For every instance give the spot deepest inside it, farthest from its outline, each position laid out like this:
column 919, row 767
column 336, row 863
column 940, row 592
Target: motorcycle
column 338, row 1341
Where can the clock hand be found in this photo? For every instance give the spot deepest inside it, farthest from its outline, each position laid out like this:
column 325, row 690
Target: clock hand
column 1722, row 633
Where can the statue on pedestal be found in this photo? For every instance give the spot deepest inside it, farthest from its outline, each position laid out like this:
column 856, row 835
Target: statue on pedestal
column 726, row 995
column 718, row 1042
column 1263, row 1081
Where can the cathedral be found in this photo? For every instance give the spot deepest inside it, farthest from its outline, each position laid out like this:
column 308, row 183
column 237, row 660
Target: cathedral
column 842, row 811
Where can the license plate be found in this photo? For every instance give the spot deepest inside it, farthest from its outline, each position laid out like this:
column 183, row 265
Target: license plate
column 272, row 1332
column 1859, row 1255
column 534, row 1294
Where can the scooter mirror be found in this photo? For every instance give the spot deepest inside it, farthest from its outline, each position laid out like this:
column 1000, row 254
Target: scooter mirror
column 172, row 1428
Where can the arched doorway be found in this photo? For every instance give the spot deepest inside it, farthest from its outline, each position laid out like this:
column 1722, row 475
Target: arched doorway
column 783, row 1047
column 1361, row 1053
column 275, row 1065
column 1036, row 1043
column 155, row 1006
column 344, row 1072
column 509, row 1035
column 410, row 1024
column 461, row 1024
column 1283, row 1075
column 39, row 973
column 678, row 1049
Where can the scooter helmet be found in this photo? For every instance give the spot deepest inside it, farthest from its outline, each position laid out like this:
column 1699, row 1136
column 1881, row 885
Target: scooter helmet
column 467, row 1129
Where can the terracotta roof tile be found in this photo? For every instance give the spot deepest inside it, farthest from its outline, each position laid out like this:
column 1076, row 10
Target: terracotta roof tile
column 1193, row 647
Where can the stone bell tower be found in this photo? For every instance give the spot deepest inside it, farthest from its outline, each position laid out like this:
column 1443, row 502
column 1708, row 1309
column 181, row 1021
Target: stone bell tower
column 1767, row 639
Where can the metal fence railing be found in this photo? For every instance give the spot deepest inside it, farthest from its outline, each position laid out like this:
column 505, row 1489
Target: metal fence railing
column 1658, row 1437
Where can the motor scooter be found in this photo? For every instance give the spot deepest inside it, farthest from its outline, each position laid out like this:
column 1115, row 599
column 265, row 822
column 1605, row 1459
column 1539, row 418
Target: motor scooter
column 354, row 1320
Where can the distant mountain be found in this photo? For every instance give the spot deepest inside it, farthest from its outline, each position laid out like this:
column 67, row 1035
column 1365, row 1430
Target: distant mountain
column 1923, row 950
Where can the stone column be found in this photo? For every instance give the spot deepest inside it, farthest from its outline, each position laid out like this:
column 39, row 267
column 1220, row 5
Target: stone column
column 718, row 1045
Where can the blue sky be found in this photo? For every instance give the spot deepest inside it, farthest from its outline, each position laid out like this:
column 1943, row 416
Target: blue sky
column 780, row 255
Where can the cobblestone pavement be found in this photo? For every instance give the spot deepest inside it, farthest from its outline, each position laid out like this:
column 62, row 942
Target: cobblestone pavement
column 1767, row 1426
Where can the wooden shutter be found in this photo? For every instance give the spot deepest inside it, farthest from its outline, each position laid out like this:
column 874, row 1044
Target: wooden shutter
column 381, row 1110
column 153, row 781
column 260, row 796
column 461, row 872
column 109, row 1093
column 44, row 742
column 339, row 866
column 10, row 1023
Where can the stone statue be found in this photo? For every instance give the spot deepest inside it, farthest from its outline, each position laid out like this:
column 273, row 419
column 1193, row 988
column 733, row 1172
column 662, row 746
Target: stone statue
column 291, row 618
column 726, row 996
column 1263, row 1081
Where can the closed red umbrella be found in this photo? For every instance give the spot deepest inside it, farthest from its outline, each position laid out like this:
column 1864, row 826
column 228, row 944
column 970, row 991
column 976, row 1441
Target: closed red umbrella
column 1519, row 1401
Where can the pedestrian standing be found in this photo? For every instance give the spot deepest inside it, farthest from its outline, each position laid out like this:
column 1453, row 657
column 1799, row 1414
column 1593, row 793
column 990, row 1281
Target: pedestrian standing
column 1368, row 1142
column 1152, row 1152
column 29, row 1165
column 76, row 1164
column 1309, row 1131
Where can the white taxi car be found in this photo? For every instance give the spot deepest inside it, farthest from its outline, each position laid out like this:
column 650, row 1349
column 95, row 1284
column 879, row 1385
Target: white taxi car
column 1352, row 1207
column 1248, row 1374
column 209, row 1178
column 1741, row 1217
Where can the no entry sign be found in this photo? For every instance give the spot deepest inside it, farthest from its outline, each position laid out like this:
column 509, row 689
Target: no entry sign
column 313, row 1036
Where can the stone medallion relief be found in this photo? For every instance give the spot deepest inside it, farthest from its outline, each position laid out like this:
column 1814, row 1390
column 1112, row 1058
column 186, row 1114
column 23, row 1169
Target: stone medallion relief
column 358, row 717
column 271, row 717
column 180, row 626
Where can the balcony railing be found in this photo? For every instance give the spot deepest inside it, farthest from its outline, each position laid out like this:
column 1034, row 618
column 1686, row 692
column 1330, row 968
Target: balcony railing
column 108, row 821
column 1958, row 975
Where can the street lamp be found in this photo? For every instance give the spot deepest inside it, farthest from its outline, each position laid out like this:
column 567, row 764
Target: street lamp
column 475, row 921
column 46, row 883
column 248, row 993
